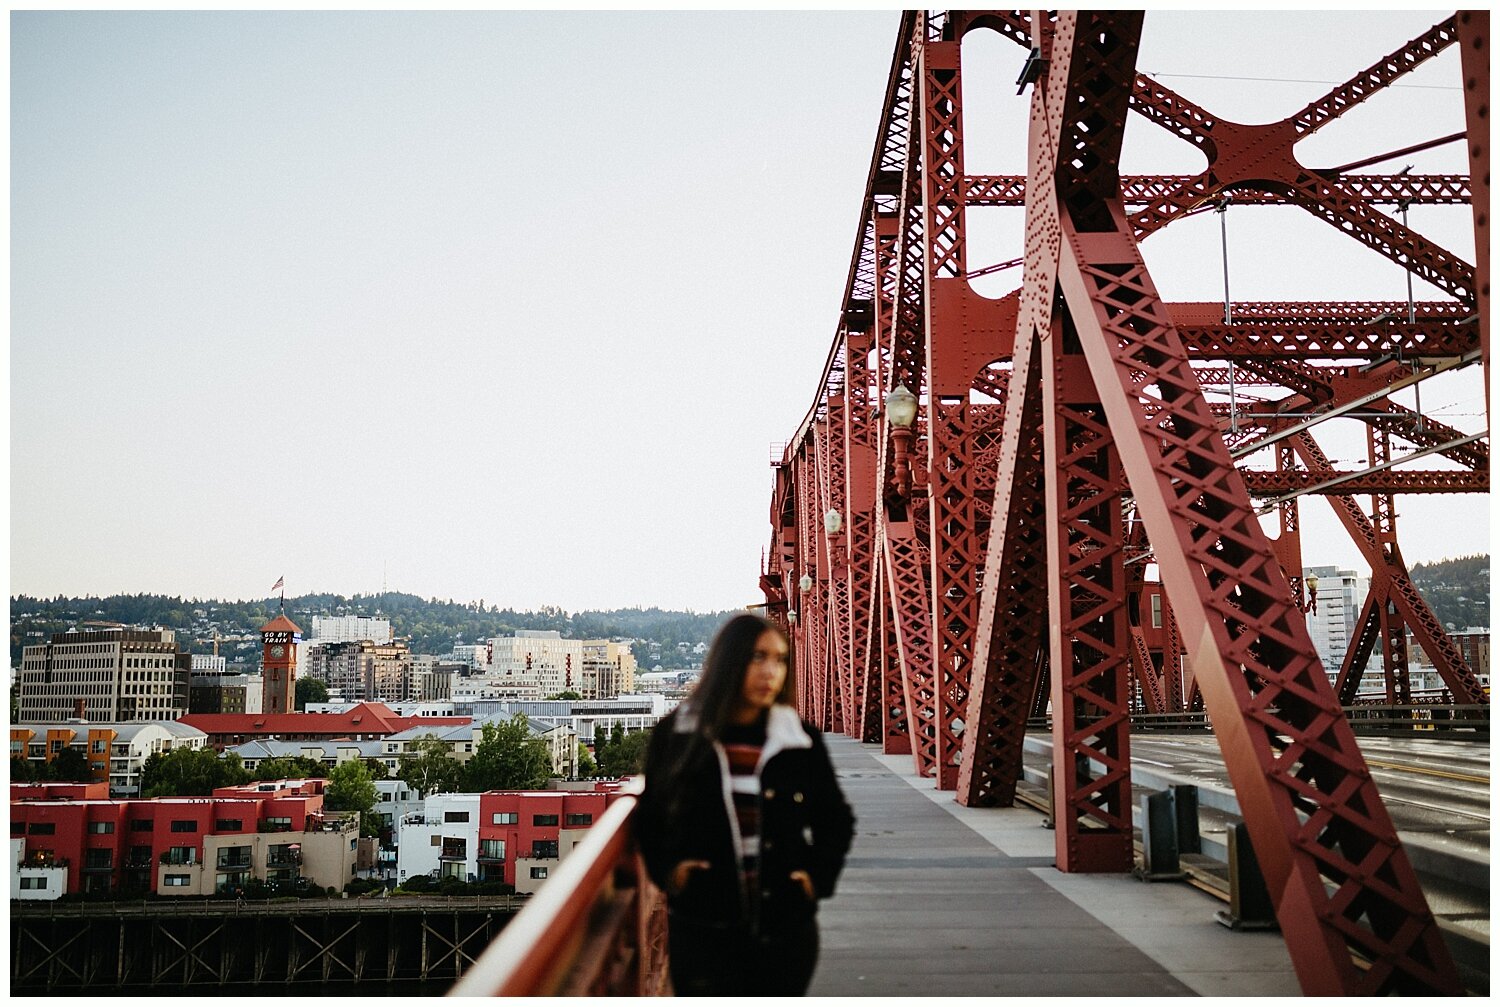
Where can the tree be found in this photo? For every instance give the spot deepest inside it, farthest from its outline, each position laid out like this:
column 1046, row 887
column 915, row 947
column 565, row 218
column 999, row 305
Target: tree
column 190, row 772
column 625, row 754
column 586, row 764
column 293, row 767
column 565, row 694
column 22, row 770
column 429, row 767
column 507, row 758
column 350, row 788
column 310, row 690
column 70, row 766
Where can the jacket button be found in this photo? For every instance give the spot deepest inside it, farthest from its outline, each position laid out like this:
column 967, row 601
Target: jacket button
column 797, row 797
column 765, row 895
column 766, row 845
column 770, row 793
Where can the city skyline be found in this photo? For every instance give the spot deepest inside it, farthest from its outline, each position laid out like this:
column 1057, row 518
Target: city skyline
column 513, row 306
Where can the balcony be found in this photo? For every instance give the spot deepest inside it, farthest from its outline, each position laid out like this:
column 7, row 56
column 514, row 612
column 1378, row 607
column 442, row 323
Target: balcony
column 454, row 851
column 98, row 866
column 282, row 857
column 271, row 825
column 178, row 859
column 233, row 864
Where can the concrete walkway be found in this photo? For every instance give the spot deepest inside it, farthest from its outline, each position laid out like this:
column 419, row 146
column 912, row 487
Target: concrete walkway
column 942, row 900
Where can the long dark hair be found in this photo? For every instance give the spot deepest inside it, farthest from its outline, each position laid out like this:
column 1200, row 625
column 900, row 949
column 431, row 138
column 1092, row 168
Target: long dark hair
column 717, row 693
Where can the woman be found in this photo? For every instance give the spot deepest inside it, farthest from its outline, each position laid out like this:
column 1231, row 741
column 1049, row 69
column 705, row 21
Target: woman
column 742, row 822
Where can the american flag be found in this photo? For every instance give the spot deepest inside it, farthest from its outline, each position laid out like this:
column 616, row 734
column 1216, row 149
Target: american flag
column 277, row 586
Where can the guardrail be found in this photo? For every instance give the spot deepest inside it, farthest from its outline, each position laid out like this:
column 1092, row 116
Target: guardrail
column 1450, row 721
column 598, row 927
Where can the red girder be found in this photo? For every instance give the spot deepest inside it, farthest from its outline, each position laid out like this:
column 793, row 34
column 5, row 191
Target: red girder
column 1269, row 484
column 1474, row 54
column 922, row 628
column 1142, row 190
column 1294, row 761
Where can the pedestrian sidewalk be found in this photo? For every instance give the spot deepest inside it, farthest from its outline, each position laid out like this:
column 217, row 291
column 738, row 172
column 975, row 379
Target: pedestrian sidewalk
column 941, row 900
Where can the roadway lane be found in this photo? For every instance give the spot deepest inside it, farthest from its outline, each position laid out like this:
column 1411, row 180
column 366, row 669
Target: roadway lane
column 1432, row 787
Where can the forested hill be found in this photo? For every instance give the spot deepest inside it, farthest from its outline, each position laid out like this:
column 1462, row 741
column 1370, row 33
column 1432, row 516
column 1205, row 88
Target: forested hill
column 433, row 625
column 1457, row 589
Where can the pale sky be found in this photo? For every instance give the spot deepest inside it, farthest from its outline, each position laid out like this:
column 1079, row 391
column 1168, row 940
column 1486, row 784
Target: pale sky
column 512, row 306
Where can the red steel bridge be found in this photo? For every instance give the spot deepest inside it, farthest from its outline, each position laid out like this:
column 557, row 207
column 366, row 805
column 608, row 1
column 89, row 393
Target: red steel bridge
column 963, row 523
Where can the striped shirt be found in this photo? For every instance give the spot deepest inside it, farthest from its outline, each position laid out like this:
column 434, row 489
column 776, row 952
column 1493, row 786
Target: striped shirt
column 742, row 745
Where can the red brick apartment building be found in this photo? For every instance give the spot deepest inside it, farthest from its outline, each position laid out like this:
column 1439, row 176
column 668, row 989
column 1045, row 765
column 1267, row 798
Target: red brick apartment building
column 71, row 838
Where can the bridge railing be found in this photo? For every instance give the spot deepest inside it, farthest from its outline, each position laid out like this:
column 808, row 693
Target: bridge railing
column 1453, row 721
column 598, row 927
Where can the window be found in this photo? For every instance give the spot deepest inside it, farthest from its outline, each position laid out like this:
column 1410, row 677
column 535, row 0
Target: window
column 140, row 825
column 455, row 816
column 543, row 819
column 229, row 824
column 579, row 819
column 98, row 858
column 176, row 880
column 101, row 828
column 437, row 840
column 34, row 884
column 492, row 849
column 1156, row 611
column 41, row 829
column 505, row 818
column 544, row 849
column 17, row 828
column 539, row 873
column 183, row 825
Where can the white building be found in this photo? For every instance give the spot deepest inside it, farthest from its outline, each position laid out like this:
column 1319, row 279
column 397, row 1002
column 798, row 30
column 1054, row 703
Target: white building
column 209, row 664
column 349, row 629
column 475, row 655
column 394, row 800
column 441, row 840
column 538, row 659
column 590, row 720
column 1332, row 626
column 33, row 882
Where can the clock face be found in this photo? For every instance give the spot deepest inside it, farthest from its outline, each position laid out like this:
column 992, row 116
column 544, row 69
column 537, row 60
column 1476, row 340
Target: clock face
column 278, row 650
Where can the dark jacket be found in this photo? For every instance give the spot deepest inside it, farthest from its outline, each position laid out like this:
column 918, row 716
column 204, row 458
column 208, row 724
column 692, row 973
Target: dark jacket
column 686, row 813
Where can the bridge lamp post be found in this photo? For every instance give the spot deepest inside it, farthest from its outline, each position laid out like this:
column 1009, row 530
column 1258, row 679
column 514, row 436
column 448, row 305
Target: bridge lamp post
column 901, row 413
column 833, row 522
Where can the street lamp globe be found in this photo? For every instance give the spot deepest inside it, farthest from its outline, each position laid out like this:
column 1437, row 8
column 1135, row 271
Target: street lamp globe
column 901, row 407
column 806, row 583
column 833, row 521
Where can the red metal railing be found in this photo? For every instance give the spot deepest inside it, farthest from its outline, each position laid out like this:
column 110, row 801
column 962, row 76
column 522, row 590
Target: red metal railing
column 598, row 927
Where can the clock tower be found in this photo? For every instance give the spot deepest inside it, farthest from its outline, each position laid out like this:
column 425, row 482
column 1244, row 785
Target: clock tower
column 278, row 659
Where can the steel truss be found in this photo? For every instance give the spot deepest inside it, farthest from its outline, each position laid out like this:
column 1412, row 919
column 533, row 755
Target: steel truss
column 1065, row 435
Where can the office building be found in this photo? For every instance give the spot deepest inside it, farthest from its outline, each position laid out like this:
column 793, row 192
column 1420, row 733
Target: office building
column 105, row 676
